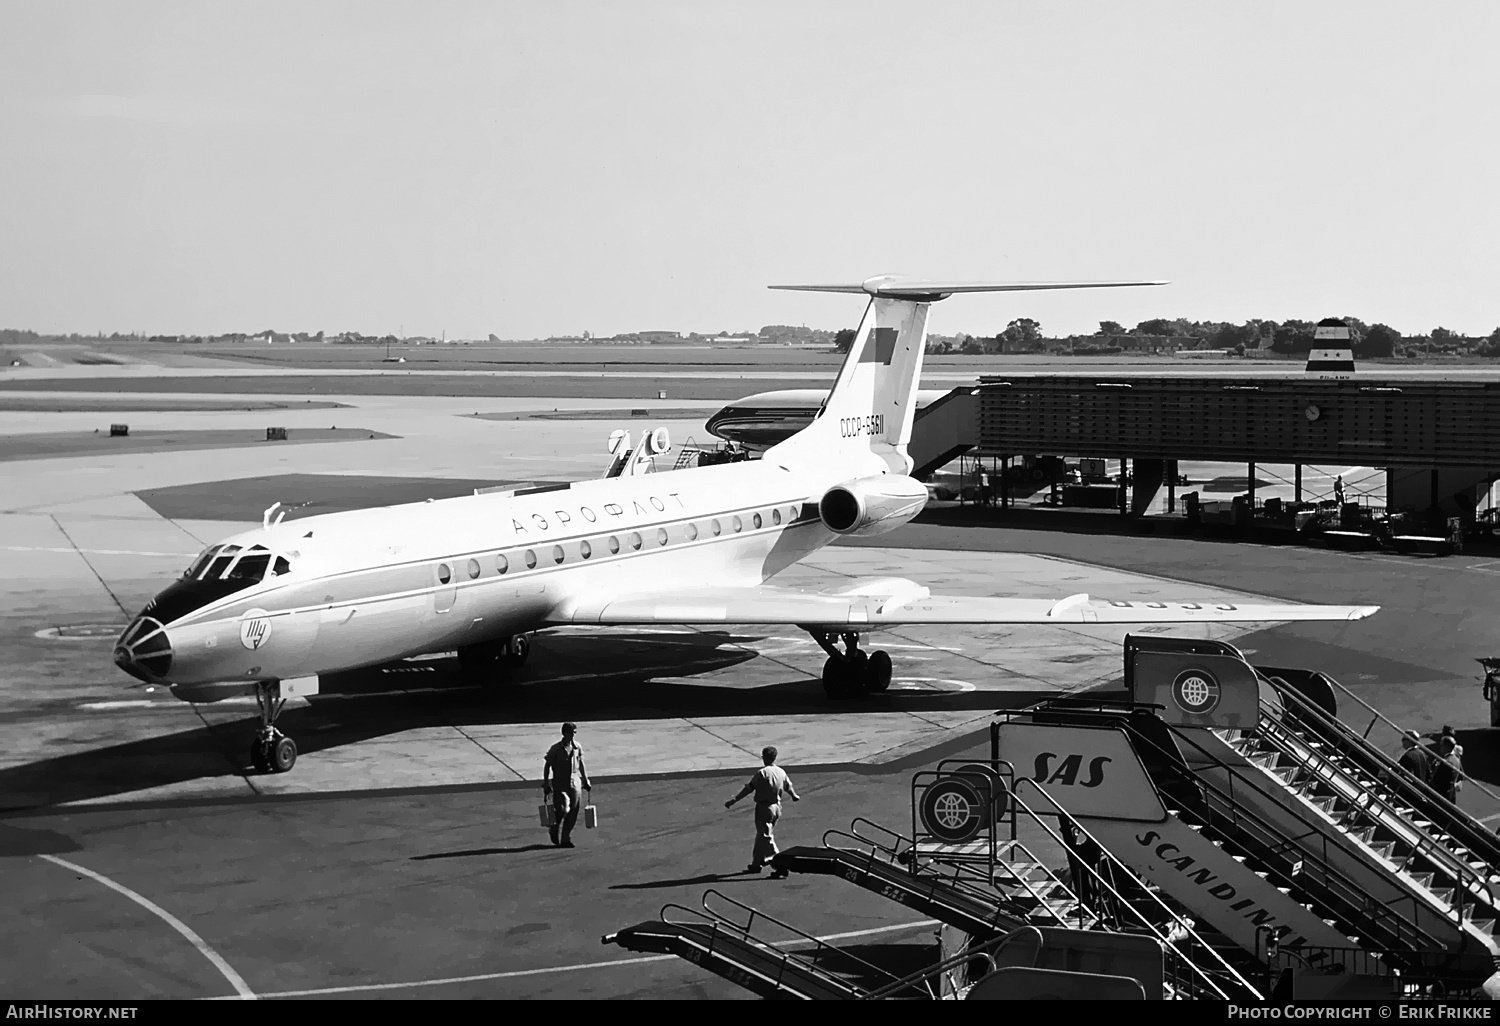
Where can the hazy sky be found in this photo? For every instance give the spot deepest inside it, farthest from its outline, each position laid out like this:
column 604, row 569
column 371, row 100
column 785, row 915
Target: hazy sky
column 540, row 168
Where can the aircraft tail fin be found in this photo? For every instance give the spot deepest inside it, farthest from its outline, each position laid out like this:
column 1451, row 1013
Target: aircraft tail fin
column 873, row 402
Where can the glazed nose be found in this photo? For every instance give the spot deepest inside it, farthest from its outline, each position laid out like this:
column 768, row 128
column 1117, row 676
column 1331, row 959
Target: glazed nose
column 144, row 651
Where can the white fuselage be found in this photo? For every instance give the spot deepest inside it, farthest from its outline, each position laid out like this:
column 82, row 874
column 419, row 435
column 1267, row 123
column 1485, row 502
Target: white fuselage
column 371, row 586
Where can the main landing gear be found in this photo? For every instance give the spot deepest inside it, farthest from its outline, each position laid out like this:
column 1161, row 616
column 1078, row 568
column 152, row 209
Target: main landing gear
column 483, row 659
column 851, row 672
column 271, row 751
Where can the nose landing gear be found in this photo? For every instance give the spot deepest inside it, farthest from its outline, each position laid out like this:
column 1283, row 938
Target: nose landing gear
column 271, row 751
column 851, row 672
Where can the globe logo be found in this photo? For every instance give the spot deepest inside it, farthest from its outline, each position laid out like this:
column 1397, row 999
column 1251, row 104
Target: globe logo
column 1196, row 691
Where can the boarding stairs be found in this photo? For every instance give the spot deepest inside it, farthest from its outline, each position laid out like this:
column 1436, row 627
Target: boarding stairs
column 996, row 887
column 715, row 938
column 1392, row 819
column 1343, row 848
column 798, row 966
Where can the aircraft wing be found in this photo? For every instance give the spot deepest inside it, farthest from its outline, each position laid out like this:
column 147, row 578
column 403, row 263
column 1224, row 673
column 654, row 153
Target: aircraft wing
column 887, row 603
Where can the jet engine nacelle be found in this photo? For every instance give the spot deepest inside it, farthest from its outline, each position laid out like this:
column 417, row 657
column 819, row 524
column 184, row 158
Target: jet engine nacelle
column 872, row 505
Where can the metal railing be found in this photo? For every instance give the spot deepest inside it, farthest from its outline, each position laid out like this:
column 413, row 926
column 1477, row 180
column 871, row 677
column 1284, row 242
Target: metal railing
column 1195, row 974
column 993, row 905
column 783, row 960
column 1376, row 716
column 1467, row 881
column 1269, row 842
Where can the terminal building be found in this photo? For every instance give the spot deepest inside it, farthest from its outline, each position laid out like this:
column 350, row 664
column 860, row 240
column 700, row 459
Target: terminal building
column 1437, row 441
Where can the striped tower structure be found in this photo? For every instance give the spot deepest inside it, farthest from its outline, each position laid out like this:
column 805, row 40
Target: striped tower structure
column 1332, row 355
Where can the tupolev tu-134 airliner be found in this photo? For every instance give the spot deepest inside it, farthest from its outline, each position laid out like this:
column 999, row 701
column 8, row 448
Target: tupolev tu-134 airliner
column 270, row 609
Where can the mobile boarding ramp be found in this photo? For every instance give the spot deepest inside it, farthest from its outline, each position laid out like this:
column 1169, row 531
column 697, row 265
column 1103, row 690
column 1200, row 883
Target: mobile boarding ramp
column 1239, row 794
column 806, row 968
column 965, row 866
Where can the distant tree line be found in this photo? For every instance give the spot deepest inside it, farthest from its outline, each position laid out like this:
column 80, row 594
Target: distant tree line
column 1291, row 338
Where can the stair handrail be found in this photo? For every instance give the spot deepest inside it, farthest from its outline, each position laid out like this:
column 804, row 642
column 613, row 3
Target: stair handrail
column 784, row 958
column 819, row 945
column 900, row 838
column 1172, row 916
column 1434, row 851
column 1338, row 839
column 1378, row 716
column 1266, row 834
column 1238, row 812
column 1033, row 892
column 1449, row 809
column 925, row 976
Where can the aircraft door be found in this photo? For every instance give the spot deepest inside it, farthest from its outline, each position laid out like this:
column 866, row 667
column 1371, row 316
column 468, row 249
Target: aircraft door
column 444, row 576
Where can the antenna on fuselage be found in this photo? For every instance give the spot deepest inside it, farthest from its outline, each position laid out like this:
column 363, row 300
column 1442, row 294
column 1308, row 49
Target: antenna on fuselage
column 642, row 458
column 265, row 519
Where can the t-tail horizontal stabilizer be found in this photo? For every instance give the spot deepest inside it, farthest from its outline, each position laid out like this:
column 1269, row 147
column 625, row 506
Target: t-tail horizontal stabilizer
column 922, row 290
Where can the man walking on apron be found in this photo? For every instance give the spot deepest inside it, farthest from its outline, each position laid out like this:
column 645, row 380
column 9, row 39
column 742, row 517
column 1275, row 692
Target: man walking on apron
column 564, row 779
column 768, row 784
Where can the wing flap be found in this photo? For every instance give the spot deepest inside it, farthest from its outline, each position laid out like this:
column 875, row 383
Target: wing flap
column 774, row 605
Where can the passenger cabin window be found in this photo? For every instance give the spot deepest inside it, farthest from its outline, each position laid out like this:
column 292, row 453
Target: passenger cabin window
column 738, row 525
column 473, row 569
column 501, row 563
column 445, row 573
column 716, row 528
column 585, row 549
column 661, row 536
column 557, row 554
column 530, row 560
column 756, row 520
column 614, row 545
column 692, row 532
column 776, row 517
column 635, row 540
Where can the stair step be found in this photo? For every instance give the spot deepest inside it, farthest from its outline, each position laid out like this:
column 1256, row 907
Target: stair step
column 1423, row 879
column 1485, row 926
column 1443, row 894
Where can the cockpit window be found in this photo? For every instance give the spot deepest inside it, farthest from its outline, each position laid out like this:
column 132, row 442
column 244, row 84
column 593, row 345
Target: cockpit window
column 202, row 561
column 221, row 563
column 251, row 566
column 281, row 567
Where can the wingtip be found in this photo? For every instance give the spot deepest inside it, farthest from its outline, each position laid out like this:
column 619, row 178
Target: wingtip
column 1360, row 612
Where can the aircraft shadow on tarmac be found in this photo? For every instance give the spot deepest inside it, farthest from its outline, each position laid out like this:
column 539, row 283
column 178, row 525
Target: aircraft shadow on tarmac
column 572, row 677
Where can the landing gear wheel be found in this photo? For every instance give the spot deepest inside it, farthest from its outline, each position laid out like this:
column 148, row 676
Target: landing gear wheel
column 837, row 682
column 271, row 751
column 851, row 673
column 518, row 650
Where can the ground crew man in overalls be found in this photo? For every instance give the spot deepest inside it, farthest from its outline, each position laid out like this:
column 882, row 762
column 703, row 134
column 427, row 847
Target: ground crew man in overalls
column 768, row 784
column 564, row 779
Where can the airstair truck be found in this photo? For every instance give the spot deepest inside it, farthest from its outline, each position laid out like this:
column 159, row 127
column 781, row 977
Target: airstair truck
column 1238, row 792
